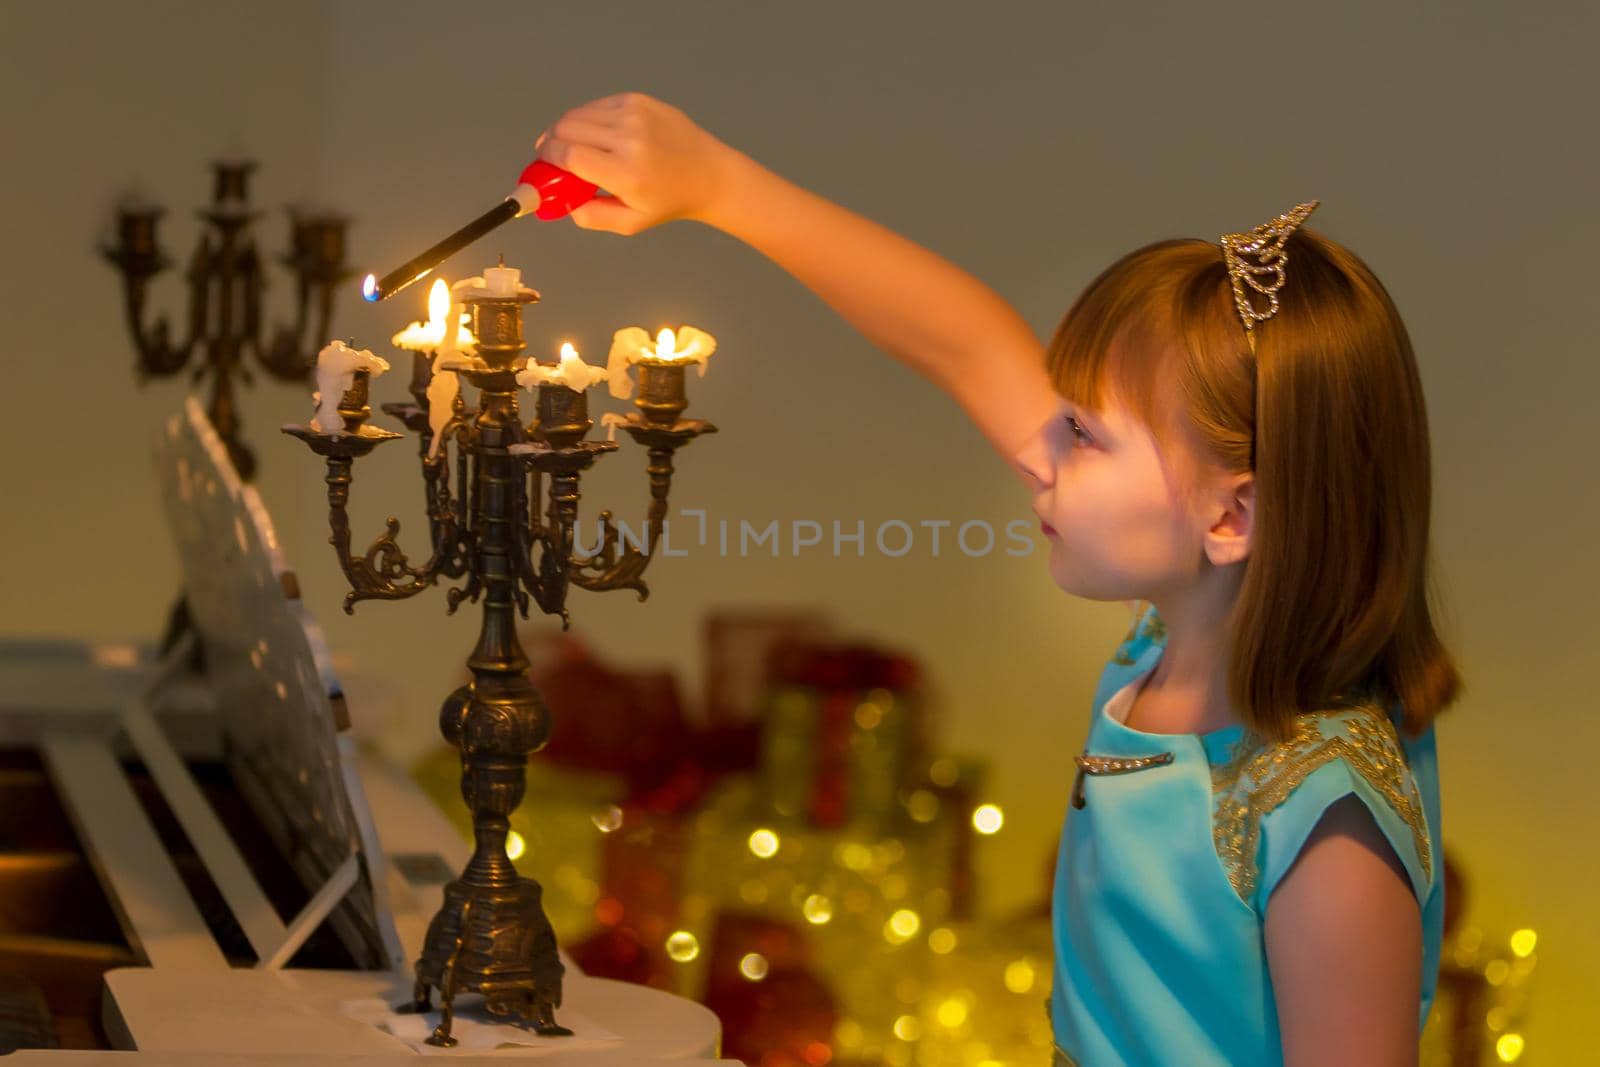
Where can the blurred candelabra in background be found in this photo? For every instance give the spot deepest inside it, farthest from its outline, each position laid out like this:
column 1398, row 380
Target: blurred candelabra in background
column 226, row 283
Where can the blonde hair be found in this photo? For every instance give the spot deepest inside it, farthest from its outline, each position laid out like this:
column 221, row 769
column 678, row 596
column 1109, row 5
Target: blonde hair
column 1328, row 413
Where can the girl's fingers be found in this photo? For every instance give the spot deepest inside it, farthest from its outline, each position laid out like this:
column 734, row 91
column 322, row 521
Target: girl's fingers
column 609, row 214
column 585, row 132
column 591, row 164
column 597, row 111
column 585, row 124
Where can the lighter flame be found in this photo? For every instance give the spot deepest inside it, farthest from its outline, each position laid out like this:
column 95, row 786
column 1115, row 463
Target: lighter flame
column 369, row 287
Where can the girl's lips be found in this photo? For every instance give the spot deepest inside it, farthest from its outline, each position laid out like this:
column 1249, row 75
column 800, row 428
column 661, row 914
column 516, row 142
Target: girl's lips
column 1047, row 528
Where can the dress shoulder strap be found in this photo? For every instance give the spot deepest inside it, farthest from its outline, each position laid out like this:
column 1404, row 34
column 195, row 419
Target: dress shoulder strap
column 1277, row 791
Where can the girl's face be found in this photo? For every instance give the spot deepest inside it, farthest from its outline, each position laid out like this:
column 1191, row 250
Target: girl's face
column 1112, row 505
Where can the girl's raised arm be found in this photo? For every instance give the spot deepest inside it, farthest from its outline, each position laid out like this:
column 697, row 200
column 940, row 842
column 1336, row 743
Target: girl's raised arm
column 918, row 307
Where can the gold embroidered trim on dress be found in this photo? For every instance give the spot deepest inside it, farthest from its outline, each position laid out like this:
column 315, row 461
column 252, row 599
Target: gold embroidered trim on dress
column 1257, row 777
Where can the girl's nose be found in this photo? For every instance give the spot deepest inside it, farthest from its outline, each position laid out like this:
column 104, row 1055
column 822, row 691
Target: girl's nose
column 1033, row 461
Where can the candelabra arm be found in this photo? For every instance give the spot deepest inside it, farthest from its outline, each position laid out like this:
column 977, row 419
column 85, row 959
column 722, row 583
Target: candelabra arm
column 525, row 533
column 543, row 546
column 251, row 285
column 555, row 546
column 452, row 543
column 382, row 572
column 316, row 257
column 198, row 278
column 605, row 569
column 287, row 357
column 463, row 510
column 545, row 581
column 158, row 357
column 452, row 540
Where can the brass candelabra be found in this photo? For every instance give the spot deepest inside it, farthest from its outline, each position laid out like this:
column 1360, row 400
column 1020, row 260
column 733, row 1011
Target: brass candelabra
column 491, row 935
column 226, row 283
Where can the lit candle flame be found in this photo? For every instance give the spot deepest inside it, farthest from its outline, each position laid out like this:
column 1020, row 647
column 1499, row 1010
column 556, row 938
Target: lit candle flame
column 571, row 371
column 438, row 304
column 697, row 344
column 431, row 335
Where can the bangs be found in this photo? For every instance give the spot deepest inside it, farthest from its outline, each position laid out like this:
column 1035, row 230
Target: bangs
column 1146, row 320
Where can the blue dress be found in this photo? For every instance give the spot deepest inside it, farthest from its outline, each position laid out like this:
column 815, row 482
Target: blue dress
column 1171, row 847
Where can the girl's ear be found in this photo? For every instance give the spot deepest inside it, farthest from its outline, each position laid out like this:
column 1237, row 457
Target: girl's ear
column 1228, row 539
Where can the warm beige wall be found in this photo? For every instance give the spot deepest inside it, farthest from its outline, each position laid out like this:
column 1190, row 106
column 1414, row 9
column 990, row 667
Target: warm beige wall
column 1446, row 147
column 96, row 99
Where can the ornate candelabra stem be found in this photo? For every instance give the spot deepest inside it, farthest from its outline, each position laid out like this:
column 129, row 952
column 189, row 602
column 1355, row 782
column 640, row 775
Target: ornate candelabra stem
column 659, row 470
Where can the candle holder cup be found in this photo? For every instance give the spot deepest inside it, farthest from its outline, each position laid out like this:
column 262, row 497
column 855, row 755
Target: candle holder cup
column 563, row 418
column 356, row 439
column 491, row 934
column 662, row 396
column 231, row 180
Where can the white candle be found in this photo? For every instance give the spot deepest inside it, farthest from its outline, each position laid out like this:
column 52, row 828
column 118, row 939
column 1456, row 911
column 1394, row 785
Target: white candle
column 502, row 281
column 632, row 344
column 460, row 337
column 337, row 364
column 571, row 372
column 442, row 390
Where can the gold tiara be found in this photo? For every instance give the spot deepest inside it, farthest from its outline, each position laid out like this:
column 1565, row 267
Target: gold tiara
column 1256, row 259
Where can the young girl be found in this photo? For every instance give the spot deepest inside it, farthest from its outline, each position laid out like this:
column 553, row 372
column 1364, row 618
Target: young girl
column 1230, row 436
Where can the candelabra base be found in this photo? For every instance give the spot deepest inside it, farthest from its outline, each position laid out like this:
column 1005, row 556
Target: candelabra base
column 494, row 941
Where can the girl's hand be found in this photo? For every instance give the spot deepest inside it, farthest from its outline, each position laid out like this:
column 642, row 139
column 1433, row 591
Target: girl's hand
column 655, row 163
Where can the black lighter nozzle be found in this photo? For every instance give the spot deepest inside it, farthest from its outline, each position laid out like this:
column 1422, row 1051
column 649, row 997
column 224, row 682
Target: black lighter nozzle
column 374, row 288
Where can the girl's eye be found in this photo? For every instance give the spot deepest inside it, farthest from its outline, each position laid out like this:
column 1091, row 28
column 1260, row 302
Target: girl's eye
column 1078, row 431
